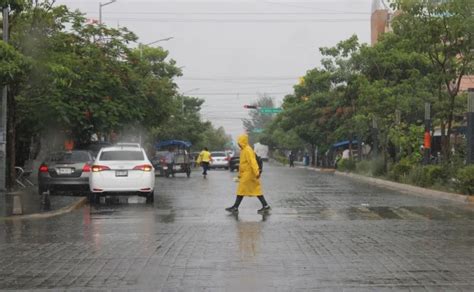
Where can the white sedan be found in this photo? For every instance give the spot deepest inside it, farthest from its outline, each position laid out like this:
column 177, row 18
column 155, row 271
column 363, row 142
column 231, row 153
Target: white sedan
column 219, row 160
column 122, row 170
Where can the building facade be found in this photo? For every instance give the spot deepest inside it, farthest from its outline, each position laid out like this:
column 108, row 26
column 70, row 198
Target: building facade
column 381, row 19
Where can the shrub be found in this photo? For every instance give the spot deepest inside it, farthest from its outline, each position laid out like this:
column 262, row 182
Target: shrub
column 426, row 176
column 400, row 170
column 378, row 167
column 435, row 173
column 280, row 158
column 465, row 178
column 346, row 165
column 363, row 167
column 417, row 177
column 370, row 167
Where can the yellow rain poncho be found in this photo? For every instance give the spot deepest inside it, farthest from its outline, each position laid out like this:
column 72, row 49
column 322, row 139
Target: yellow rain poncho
column 249, row 184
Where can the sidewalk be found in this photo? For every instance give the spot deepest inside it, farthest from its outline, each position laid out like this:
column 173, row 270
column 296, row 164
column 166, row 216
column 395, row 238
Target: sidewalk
column 405, row 188
column 27, row 204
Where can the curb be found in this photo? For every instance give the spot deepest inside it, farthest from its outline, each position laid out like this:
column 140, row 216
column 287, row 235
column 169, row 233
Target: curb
column 409, row 189
column 325, row 170
column 76, row 205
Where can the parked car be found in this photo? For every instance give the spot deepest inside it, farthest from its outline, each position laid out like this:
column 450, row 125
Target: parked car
column 219, row 160
column 122, row 171
column 65, row 171
column 234, row 162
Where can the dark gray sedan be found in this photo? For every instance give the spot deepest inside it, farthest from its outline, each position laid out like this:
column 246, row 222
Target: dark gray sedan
column 65, row 171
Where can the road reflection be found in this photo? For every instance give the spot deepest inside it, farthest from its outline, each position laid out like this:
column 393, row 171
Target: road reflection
column 249, row 230
column 249, row 238
column 249, row 235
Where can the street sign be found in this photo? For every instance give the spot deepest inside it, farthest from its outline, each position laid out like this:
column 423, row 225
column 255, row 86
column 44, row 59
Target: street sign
column 257, row 130
column 270, row 110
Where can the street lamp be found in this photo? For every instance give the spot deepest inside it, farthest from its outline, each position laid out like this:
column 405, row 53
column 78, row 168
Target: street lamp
column 149, row 44
column 182, row 97
column 100, row 9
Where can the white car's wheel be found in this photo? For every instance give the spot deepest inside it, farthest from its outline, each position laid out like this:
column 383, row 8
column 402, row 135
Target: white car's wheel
column 150, row 197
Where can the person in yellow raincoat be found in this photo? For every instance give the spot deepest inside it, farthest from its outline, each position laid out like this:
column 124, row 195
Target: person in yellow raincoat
column 204, row 159
column 249, row 177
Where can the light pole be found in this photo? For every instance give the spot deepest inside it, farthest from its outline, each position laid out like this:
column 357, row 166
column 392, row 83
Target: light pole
column 100, row 9
column 182, row 97
column 3, row 114
column 149, row 44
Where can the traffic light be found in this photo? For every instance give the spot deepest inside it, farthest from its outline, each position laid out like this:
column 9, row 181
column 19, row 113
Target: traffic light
column 250, row 106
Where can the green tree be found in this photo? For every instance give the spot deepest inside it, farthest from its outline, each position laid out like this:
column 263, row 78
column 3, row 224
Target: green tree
column 258, row 121
column 13, row 65
column 443, row 32
column 84, row 79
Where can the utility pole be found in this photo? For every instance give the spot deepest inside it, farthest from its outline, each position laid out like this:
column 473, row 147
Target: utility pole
column 470, row 127
column 3, row 114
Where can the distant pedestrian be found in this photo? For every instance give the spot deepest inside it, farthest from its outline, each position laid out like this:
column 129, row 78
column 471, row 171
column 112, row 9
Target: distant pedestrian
column 306, row 159
column 169, row 161
column 337, row 160
column 204, row 158
column 249, row 177
column 291, row 159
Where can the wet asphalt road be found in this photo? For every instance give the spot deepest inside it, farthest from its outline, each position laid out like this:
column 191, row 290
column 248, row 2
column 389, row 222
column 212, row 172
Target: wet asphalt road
column 324, row 233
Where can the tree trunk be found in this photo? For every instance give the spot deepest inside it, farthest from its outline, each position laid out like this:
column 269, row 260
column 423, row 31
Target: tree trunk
column 450, row 124
column 313, row 155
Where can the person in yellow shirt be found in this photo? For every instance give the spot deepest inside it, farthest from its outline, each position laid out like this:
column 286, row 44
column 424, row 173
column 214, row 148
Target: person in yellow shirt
column 249, row 177
column 204, row 159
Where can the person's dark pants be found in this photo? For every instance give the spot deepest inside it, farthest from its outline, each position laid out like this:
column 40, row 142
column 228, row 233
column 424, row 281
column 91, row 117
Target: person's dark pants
column 205, row 167
column 238, row 200
column 170, row 170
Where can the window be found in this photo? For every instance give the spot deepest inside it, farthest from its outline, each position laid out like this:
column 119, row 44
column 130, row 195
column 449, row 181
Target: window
column 121, row 155
column 70, row 157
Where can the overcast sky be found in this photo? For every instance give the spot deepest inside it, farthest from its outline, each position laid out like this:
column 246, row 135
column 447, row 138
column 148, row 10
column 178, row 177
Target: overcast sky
column 232, row 51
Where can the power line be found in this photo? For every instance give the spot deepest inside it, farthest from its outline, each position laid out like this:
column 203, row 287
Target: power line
column 134, row 19
column 233, row 13
column 236, row 93
column 250, row 78
column 247, row 82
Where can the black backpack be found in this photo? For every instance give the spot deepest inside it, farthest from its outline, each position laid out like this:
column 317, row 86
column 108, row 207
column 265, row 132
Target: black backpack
column 259, row 162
